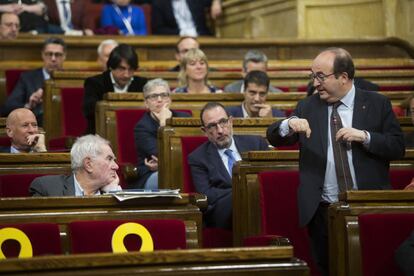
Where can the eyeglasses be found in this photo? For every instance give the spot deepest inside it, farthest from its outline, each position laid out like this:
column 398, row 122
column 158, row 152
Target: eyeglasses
column 321, row 77
column 222, row 123
column 56, row 54
column 155, row 96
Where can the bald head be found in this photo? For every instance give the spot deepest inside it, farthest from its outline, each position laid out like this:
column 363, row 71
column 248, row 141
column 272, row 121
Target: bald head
column 20, row 124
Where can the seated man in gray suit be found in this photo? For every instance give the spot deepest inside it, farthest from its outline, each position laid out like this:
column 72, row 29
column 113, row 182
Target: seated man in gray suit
column 93, row 171
column 22, row 129
column 254, row 60
column 256, row 85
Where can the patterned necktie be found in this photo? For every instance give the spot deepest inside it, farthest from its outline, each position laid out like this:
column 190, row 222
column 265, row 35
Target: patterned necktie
column 343, row 173
column 230, row 160
column 67, row 14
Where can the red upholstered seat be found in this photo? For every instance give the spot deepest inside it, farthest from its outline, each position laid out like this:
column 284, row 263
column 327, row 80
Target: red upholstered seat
column 16, row 185
column 12, row 76
column 96, row 236
column 380, row 235
column 212, row 237
column 44, row 239
column 400, row 178
column 278, row 200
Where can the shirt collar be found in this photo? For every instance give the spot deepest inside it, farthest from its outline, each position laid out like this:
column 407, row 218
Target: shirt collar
column 78, row 188
column 118, row 88
column 232, row 147
column 46, row 75
column 348, row 99
column 245, row 114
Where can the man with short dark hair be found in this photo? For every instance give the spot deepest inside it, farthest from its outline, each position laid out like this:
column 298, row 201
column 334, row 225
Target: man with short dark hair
column 119, row 78
column 9, row 25
column 347, row 138
column 28, row 91
column 256, row 85
column 212, row 163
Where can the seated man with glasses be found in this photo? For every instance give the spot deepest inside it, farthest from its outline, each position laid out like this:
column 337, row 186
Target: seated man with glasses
column 157, row 101
column 212, row 163
column 28, row 91
column 118, row 78
column 9, row 25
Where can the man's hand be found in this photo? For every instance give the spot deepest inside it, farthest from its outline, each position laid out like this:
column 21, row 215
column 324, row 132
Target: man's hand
column 35, row 99
column 152, row 163
column 410, row 186
column 215, row 9
column 164, row 114
column 37, row 142
column 298, row 125
column 349, row 134
column 113, row 186
column 265, row 110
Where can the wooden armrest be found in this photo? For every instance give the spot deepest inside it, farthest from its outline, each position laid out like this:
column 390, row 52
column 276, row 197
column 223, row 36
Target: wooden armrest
column 199, row 200
column 266, row 240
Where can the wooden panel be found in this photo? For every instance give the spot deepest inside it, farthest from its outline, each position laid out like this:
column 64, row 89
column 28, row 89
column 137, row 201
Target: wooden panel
column 35, row 163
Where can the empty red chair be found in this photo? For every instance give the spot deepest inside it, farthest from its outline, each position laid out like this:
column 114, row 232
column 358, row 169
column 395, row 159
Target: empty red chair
column 96, row 236
column 278, row 200
column 400, row 178
column 31, row 239
column 380, row 235
column 16, row 185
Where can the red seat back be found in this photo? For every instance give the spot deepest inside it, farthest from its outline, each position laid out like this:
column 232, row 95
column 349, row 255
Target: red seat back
column 380, row 235
column 96, row 236
column 16, row 185
column 12, row 76
column 44, row 239
column 73, row 121
column 126, row 120
column 278, row 200
column 400, row 178
column 188, row 145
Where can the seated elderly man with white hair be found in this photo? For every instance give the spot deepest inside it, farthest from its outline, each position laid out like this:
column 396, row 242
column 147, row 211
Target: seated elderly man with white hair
column 93, row 171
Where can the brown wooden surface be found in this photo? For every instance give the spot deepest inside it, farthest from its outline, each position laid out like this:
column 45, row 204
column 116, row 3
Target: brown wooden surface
column 63, row 210
column 35, row 163
column 226, row 261
column 343, row 224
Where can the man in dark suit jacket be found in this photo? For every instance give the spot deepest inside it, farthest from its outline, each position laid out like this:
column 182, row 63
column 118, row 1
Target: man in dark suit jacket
column 211, row 163
column 256, row 85
column 119, row 78
column 28, row 91
column 94, row 171
column 404, row 256
column 371, row 136
column 164, row 20
column 158, row 101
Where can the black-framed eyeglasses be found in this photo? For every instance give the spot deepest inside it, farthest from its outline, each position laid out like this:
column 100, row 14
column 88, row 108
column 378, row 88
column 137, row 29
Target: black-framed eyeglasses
column 155, row 96
column 321, row 77
column 56, row 54
column 222, row 123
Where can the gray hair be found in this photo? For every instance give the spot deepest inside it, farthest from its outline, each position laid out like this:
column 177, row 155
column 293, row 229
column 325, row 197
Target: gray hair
column 86, row 146
column 150, row 86
column 255, row 56
column 106, row 42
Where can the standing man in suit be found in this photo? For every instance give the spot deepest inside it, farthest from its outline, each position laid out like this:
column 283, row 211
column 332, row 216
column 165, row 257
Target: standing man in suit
column 370, row 136
column 93, row 171
column 157, row 101
column 70, row 15
column 254, row 60
column 182, row 17
column 9, row 25
column 28, row 91
column 256, row 89
column 119, row 78
column 22, row 129
column 212, row 163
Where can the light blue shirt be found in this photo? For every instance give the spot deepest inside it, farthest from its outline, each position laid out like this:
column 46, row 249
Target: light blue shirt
column 225, row 158
column 78, row 188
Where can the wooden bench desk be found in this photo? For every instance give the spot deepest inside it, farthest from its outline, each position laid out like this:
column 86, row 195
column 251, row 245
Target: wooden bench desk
column 35, row 163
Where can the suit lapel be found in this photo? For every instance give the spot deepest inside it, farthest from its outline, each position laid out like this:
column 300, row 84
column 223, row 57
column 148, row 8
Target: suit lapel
column 215, row 159
column 322, row 121
column 361, row 106
column 69, row 186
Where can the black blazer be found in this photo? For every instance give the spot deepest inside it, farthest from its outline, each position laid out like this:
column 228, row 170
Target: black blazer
column 95, row 87
column 28, row 83
column 373, row 113
column 53, row 185
column 163, row 20
column 145, row 134
column 404, row 256
column 210, row 177
column 237, row 112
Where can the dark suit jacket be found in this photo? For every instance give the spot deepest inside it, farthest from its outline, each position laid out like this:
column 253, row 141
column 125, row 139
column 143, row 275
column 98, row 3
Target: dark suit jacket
column 79, row 10
column 373, row 113
column 409, row 139
column 53, row 185
column 145, row 133
column 404, row 256
column 28, row 83
column 237, row 112
column 5, row 149
column 95, row 87
column 211, row 178
column 163, row 20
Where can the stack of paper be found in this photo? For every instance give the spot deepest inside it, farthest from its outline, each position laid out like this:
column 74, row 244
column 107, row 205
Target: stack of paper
column 141, row 193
